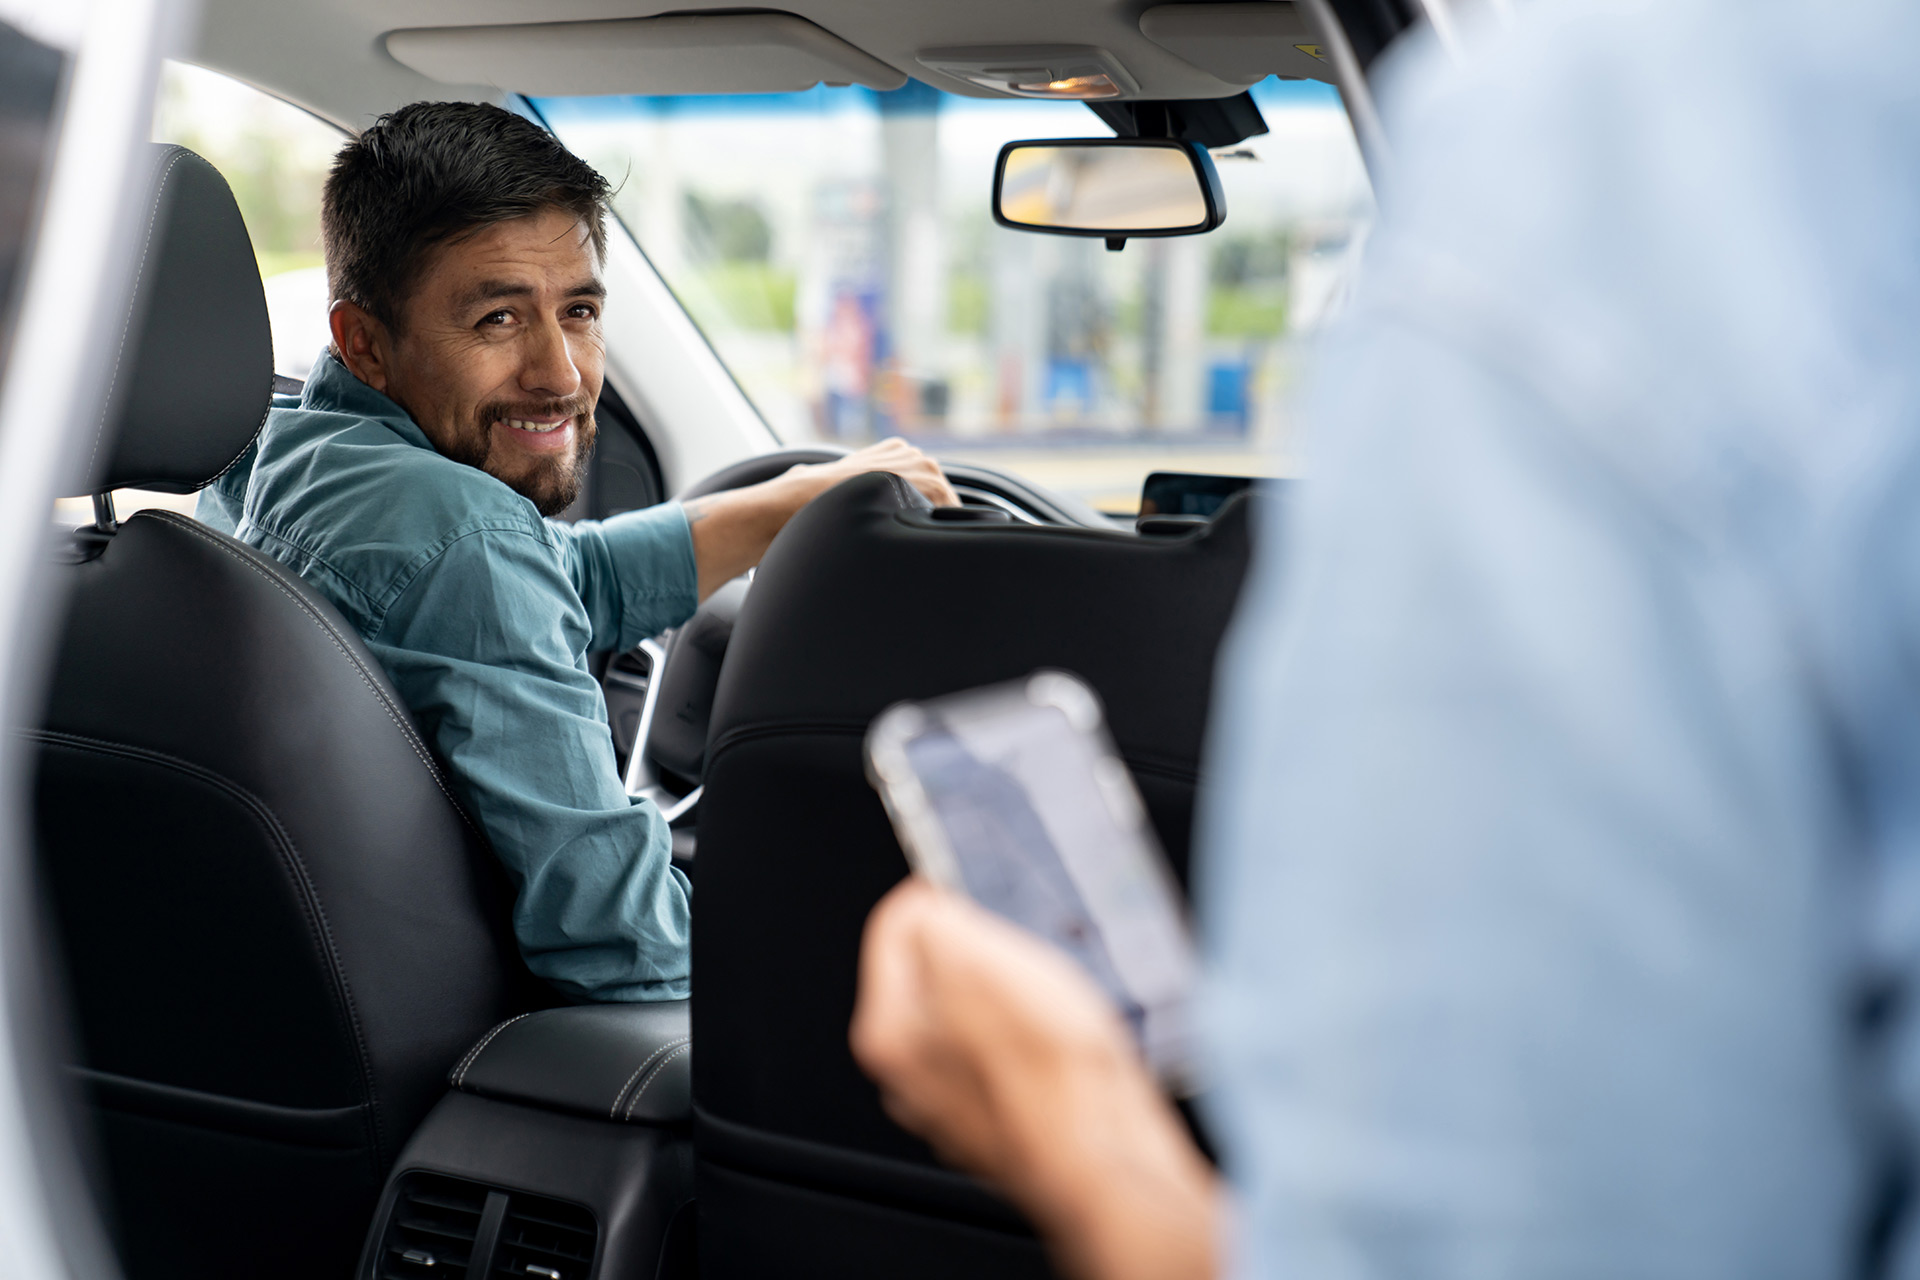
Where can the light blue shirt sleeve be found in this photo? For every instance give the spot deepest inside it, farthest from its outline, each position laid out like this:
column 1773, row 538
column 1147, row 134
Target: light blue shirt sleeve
column 1570, row 722
column 1516, row 894
column 482, row 644
column 634, row 571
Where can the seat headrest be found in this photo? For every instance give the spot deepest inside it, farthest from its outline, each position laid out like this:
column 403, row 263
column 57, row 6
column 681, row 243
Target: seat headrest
column 192, row 374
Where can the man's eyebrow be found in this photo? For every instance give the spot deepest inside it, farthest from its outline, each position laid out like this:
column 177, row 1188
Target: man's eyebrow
column 503, row 290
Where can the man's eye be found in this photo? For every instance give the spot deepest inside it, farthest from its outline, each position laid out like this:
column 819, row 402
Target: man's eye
column 583, row 311
column 496, row 317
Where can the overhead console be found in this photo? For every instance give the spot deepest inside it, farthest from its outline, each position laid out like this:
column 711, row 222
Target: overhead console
column 1175, row 52
column 1242, row 44
column 686, row 53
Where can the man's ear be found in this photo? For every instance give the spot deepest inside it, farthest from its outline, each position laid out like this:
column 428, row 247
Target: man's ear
column 361, row 343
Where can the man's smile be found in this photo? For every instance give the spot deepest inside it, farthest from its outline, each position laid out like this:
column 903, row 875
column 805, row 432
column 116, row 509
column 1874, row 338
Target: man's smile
column 541, row 434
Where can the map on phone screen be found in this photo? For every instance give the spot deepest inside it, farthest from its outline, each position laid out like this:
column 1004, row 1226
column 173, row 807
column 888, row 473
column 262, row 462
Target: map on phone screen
column 1015, row 795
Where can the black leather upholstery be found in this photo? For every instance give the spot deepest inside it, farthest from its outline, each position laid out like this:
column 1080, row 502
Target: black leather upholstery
column 630, row 1063
column 193, row 370
column 677, row 742
column 280, row 931
column 862, row 602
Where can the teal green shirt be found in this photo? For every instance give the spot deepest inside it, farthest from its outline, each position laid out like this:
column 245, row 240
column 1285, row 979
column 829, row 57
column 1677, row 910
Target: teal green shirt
column 483, row 614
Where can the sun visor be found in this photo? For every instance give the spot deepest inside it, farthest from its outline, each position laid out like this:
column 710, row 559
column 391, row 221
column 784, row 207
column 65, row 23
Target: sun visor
column 1240, row 43
column 678, row 54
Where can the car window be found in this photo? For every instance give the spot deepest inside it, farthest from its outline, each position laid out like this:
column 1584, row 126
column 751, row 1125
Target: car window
column 837, row 249
column 275, row 157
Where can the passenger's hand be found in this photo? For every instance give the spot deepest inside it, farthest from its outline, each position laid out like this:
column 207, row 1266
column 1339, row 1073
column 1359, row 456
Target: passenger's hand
column 895, row 455
column 997, row 1049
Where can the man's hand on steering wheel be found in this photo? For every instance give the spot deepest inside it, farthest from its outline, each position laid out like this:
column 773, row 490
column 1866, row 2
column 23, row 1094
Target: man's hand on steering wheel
column 895, row 455
column 732, row 529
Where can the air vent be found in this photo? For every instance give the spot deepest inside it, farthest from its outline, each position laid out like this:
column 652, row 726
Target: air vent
column 431, row 1233
column 545, row 1240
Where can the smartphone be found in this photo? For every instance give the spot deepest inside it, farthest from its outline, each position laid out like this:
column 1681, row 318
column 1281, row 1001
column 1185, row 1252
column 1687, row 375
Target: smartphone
column 1015, row 795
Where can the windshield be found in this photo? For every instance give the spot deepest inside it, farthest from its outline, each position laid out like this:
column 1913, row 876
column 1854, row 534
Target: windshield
column 837, row 248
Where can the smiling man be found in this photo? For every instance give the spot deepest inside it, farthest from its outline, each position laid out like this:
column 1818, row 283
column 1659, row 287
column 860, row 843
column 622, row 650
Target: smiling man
column 412, row 483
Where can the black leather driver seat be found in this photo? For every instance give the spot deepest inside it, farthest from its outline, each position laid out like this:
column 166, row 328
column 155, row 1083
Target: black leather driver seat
column 280, row 930
column 863, row 600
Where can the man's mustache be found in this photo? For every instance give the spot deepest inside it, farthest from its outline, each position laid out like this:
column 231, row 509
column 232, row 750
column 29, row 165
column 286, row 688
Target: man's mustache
column 503, row 410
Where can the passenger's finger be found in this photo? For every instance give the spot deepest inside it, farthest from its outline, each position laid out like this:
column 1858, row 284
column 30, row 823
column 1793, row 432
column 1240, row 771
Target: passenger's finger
column 886, row 1005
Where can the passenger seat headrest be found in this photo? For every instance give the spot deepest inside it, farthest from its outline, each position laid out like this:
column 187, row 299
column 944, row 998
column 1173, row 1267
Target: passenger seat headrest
column 192, row 373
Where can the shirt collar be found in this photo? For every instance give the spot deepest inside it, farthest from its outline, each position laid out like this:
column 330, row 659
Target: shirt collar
column 331, row 387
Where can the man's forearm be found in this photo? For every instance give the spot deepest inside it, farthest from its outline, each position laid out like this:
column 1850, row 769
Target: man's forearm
column 1152, row 1214
column 999, row 1050
column 1112, row 1179
column 732, row 530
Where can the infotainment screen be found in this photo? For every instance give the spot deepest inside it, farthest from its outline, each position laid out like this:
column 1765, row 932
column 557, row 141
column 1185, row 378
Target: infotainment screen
column 1186, row 493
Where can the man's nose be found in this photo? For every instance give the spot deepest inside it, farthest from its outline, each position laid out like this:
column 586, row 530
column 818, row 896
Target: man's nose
column 548, row 368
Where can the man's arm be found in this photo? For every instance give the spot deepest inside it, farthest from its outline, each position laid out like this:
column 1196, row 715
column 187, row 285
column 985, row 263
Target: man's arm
column 482, row 646
column 644, row 571
column 635, row 572
column 732, row 530
column 1514, row 888
column 995, row 1047
column 1528, row 874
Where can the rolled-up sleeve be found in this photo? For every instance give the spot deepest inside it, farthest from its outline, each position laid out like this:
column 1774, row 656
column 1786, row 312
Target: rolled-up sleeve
column 635, row 572
column 483, row 644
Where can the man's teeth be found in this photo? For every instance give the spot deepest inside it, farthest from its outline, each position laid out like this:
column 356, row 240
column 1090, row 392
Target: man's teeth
column 538, row 428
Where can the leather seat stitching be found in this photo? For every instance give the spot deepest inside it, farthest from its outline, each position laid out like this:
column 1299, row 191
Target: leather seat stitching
column 473, row 1054
column 234, row 461
column 613, row 1111
column 402, row 722
column 297, row 871
column 907, row 497
column 647, row 1083
column 146, row 247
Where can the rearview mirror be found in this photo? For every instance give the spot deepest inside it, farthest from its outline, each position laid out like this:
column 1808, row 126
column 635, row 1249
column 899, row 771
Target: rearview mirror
column 1114, row 188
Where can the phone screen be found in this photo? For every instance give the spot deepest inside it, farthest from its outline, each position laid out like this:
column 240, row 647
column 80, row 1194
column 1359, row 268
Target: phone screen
column 1015, row 796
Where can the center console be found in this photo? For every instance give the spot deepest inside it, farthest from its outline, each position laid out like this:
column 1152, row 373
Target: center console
column 562, row 1152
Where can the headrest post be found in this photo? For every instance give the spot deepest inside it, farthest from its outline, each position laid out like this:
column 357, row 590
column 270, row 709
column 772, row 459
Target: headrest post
column 103, row 517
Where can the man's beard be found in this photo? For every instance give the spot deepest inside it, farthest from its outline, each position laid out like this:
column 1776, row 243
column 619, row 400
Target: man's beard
column 551, row 484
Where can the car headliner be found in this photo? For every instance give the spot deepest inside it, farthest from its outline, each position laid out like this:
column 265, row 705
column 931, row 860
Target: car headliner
column 330, row 56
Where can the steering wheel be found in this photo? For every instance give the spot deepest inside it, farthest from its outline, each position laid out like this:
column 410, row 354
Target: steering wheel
column 683, row 670
column 977, row 484
column 762, row 466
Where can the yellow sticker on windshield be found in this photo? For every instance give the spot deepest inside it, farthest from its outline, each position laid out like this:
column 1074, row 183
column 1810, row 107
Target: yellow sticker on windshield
column 1312, row 51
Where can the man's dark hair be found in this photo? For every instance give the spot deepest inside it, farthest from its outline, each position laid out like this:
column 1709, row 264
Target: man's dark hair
column 433, row 172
